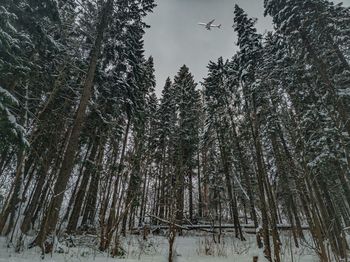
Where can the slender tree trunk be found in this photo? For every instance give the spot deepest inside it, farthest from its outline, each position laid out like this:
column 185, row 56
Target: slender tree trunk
column 254, row 123
column 244, row 168
column 231, row 194
column 77, row 184
column 143, row 199
column 107, row 228
column 190, row 194
column 89, row 169
column 92, row 192
column 8, row 213
column 132, row 194
column 27, row 221
column 163, row 185
column 199, row 181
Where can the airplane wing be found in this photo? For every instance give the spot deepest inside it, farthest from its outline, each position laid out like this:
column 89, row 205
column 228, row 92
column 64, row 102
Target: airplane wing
column 212, row 21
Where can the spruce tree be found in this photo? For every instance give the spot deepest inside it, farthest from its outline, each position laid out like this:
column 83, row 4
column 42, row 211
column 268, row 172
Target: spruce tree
column 187, row 103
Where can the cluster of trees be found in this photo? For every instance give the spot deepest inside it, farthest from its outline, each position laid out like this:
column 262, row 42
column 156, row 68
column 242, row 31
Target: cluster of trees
column 87, row 146
column 73, row 79
column 277, row 117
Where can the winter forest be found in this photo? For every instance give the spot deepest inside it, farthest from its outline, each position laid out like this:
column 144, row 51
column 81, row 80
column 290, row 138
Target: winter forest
column 250, row 164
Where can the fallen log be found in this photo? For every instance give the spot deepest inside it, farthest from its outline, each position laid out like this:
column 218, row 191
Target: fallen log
column 248, row 228
column 184, row 227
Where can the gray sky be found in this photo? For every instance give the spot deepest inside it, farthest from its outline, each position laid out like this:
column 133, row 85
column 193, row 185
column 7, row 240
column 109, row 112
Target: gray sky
column 175, row 38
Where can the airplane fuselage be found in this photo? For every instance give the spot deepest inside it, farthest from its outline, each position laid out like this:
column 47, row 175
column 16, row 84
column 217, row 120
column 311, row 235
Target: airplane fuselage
column 209, row 25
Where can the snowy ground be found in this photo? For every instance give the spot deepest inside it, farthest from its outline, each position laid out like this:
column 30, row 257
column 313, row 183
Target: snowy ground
column 188, row 249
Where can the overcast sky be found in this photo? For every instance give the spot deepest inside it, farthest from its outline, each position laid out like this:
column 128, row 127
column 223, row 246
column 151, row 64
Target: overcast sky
column 175, row 38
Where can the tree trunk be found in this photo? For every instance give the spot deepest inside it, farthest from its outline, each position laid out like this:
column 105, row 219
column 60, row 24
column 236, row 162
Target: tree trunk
column 92, row 192
column 78, row 203
column 107, row 228
column 199, row 181
column 254, row 124
column 190, row 194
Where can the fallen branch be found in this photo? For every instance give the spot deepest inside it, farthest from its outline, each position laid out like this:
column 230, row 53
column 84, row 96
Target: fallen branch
column 169, row 223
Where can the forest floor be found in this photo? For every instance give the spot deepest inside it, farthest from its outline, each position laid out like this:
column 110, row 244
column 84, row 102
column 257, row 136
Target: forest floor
column 190, row 248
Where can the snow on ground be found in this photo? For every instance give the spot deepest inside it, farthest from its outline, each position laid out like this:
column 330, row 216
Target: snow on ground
column 194, row 248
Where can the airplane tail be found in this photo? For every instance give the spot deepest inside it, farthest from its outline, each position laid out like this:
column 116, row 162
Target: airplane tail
column 219, row 26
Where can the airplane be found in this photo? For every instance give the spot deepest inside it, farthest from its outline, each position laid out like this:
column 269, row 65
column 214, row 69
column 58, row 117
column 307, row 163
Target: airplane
column 209, row 25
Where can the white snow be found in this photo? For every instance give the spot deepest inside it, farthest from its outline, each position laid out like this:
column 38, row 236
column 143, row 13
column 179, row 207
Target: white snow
column 193, row 248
